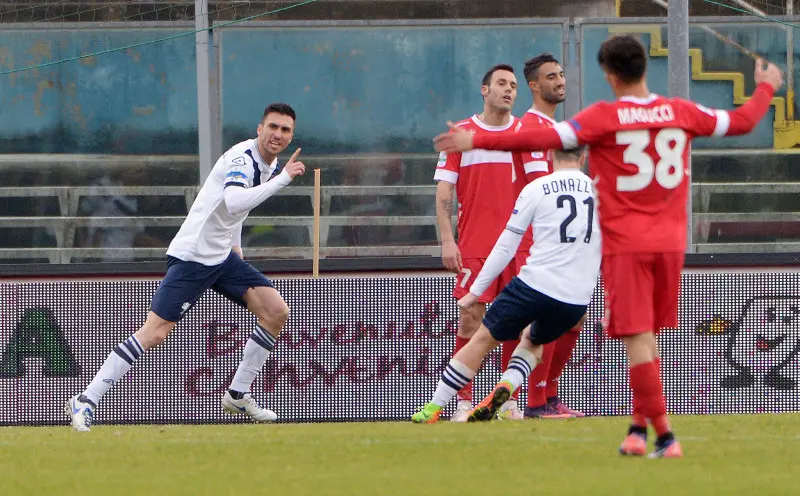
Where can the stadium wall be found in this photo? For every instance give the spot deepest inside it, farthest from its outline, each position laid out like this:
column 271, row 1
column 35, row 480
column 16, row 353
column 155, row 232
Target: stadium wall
column 364, row 86
column 371, row 347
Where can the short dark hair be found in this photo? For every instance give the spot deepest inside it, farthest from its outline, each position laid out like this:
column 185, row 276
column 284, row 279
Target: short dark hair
column 279, row 108
column 487, row 78
column 573, row 154
column 623, row 56
column 532, row 66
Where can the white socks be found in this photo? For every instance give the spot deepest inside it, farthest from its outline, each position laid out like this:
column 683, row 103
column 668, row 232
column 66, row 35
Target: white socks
column 116, row 365
column 519, row 368
column 256, row 352
column 455, row 376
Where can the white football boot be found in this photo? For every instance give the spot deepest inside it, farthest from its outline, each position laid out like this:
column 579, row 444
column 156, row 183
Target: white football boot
column 80, row 414
column 463, row 410
column 247, row 406
column 510, row 411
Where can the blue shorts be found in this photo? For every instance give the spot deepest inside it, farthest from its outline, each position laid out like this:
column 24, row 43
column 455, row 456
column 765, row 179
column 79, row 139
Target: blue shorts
column 186, row 282
column 519, row 305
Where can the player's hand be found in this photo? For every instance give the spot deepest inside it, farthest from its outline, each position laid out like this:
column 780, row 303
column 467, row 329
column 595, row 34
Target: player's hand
column 771, row 74
column 451, row 256
column 294, row 167
column 458, row 140
column 467, row 301
column 238, row 250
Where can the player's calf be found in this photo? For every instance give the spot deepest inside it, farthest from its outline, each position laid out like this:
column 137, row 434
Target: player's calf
column 269, row 306
column 154, row 331
column 272, row 312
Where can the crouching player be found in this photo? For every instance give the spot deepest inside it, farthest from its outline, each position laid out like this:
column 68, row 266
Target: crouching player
column 551, row 291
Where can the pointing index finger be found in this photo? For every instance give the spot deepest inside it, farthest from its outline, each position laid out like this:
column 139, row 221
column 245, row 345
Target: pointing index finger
column 294, row 155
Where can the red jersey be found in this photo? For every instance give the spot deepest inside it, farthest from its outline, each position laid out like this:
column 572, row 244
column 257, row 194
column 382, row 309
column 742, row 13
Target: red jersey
column 535, row 164
column 487, row 187
column 638, row 155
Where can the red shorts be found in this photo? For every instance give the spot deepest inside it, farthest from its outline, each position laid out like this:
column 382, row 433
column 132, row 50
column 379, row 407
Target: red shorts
column 641, row 292
column 471, row 267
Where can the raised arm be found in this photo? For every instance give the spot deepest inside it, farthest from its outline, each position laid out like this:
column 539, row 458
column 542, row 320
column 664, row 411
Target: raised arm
column 239, row 197
column 712, row 122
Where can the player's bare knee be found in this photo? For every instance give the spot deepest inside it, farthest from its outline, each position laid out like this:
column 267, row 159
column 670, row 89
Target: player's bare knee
column 484, row 339
column 270, row 308
column 469, row 320
column 640, row 348
column 282, row 313
column 154, row 331
column 274, row 318
column 526, row 342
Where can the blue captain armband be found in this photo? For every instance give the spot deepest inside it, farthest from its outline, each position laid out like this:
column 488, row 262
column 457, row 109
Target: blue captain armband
column 235, row 177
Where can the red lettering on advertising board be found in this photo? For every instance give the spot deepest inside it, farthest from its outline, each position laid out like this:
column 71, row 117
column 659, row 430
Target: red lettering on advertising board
column 374, row 366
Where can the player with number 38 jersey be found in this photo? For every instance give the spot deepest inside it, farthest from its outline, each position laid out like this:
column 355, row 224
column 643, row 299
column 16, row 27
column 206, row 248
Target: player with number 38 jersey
column 640, row 164
column 639, row 160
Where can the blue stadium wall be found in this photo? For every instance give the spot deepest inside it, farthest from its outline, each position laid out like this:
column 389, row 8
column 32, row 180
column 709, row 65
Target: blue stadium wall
column 356, row 89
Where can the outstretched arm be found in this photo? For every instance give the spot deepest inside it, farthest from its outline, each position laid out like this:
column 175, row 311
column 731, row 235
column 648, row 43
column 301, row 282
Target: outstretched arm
column 745, row 118
column 239, row 199
column 561, row 136
column 526, row 140
column 506, row 245
column 503, row 252
column 711, row 122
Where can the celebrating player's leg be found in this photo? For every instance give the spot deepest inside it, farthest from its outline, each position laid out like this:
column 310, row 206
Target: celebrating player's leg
column 486, row 185
column 639, row 156
column 206, row 254
column 550, row 293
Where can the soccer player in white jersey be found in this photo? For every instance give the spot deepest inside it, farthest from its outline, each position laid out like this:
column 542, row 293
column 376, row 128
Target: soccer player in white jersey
column 551, row 291
column 206, row 254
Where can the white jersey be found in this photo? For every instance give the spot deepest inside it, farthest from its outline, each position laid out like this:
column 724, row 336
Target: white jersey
column 205, row 236
column 564, row 261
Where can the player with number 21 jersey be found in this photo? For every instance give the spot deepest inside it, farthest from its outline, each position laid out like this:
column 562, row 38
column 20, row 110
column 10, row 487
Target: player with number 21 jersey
column 639, row 160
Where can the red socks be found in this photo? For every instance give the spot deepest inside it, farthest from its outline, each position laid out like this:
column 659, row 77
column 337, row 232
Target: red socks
column 537, row 381
column 561, row 355
column 648, row 396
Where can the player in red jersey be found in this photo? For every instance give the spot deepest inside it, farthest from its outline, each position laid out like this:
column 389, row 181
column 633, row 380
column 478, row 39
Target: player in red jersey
column 639, row 155
column 486, row 184
column 545, row 78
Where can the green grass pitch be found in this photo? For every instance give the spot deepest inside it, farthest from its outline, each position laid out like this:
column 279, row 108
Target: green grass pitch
column 724, row 455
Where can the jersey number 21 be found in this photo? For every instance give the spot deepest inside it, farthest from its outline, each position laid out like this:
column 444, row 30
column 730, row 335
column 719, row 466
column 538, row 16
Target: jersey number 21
column 573, row 213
